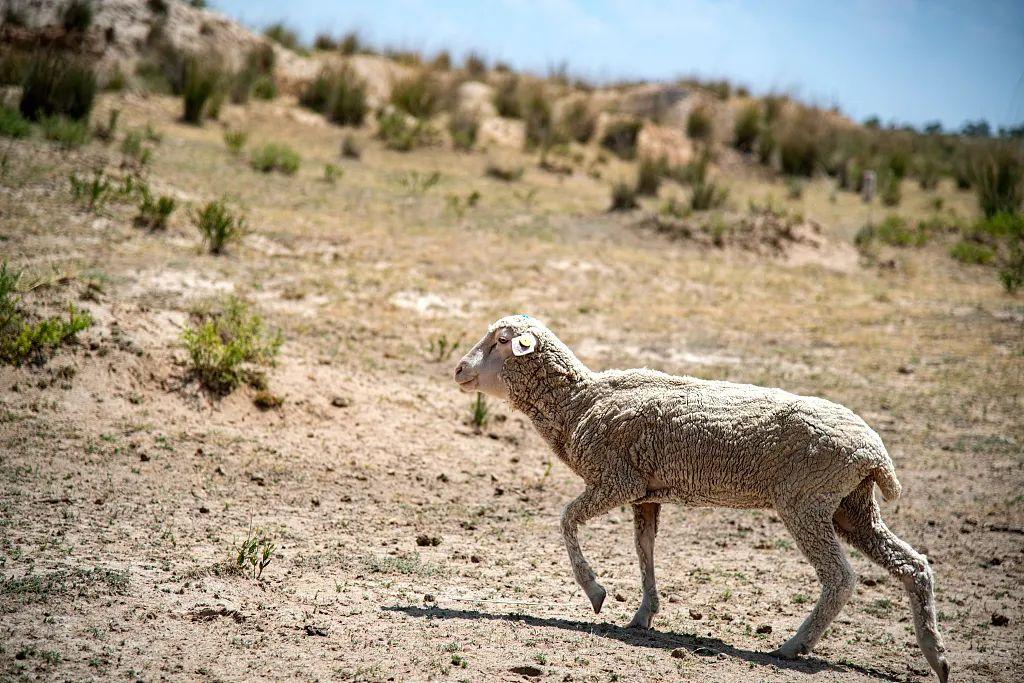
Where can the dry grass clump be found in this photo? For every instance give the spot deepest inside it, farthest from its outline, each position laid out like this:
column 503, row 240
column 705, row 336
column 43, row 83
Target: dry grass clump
column 699, row 125
column 998, row 179
column 55, row 85
column 624, row 196
column 419, row 95
column 503, row 169
column 202, row 80
column 219, row 226
column 578, row 121
column 275, row 157
column 747, row 128
column 339, row 95
column 402, row 132
column 620, row 137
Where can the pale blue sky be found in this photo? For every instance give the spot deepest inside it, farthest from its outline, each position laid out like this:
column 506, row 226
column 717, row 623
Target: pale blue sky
column 905, row 60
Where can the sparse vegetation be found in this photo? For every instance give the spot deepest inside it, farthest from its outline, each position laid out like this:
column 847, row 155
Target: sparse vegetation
column 351, row 148
column 235, row 140
column 93, row 191
column 255, row 553
column 620, row 137
column 623, row 196
column 481, row 412
column 401, row 132
column 275, row 157
column 339, row 95
column 218, row 225
column 55, row 85
column 283, row 35
column 27, row 338
column 504, row 169
column 77, row 15
column 462, row 129
column 705, row 193
column 154, row 212
column 698, row 124
column 418, row 95
column 649, row 174
column 578, row 121
column 230, row 345
column 68, row 133
column 200, row 84
column 13, row 124
column 747, row 128
column 893, row 231
column 998, row 179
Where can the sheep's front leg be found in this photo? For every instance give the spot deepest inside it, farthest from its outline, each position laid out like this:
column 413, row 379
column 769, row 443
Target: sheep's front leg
column 645, row 528
column 590, row 504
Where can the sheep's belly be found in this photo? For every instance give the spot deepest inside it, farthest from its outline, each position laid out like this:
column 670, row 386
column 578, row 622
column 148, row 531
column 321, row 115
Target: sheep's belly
column 689, row 498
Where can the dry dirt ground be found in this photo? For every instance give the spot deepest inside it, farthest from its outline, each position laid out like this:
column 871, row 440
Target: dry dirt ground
column 125, row 490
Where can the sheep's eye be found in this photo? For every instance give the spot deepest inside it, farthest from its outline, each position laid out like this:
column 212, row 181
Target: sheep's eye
column 503, row 339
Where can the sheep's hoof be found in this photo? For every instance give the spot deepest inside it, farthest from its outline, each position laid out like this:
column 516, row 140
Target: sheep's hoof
column 789, row 650
column 597, row 594
column 943, row 670
column 641, row 620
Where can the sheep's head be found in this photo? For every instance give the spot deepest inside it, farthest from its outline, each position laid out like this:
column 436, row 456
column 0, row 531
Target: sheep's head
column 512, row 339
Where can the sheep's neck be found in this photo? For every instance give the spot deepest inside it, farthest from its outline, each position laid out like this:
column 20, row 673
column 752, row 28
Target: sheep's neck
column 552, row 397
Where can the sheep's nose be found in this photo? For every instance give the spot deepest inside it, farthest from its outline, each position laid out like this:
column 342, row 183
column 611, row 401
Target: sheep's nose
column 459, row 368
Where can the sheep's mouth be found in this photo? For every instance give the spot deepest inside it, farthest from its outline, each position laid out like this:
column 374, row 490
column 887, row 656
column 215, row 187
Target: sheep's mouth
column 469, row 384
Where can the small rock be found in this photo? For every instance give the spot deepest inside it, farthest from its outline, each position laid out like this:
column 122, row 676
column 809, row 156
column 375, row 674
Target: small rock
column 994, row 562
column 673, row 599
column 424, row 540
column 906, row 369
column 619, row 597
column 868, row 581
column 203, row 510
column 312, row 630
column 694, row 614
column 315, row 502
column 144, row 457
column 341, row 401
column 764, row 628
column 429, row 597
column 443, row 478
column 475, row 559
column 705, row 652
column 1000, row 619
column 680, row 653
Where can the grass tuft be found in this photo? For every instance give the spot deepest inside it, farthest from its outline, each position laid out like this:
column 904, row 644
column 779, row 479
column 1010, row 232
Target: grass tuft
column 229, row 346
column 219, row 226
column 24, row 340
column 276, row 157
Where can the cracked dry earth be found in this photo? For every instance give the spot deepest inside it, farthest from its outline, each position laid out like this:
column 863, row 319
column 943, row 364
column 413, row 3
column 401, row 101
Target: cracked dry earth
column 408, row 546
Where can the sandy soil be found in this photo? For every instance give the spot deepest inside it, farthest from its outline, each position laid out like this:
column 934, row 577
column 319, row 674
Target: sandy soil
column 408, row 546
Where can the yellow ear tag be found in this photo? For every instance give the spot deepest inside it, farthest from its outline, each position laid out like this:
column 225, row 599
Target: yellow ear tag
column 524, row 344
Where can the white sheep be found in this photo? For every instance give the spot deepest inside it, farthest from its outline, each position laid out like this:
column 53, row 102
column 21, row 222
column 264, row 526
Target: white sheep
column 642, row 438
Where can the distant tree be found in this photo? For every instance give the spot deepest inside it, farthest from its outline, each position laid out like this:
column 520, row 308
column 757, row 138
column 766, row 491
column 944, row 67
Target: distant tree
column 1012, row 131
column 933, row 128
column 872, row 122
column 976, row 129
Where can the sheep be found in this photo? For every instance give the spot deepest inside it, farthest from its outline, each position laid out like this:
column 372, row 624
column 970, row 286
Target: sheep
column 643, row 438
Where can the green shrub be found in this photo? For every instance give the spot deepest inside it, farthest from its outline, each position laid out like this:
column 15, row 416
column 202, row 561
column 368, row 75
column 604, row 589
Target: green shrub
column 67, row 133
column 893, row 231
column 256, row 76
column 218, row 225
column 698, row 124
column 351, row 148
column 998, row 179
column 747, row 128
column 229, row 346
column 974, row 253
column 705, row 194
column 401, row 134
column 106, row 131
column 13, row 124
column 1006, row 229
column 93, row 192
column 418, row 95
column 133, row 148
column 504, row 170
column 201, row 83
column 462, row 129
column 235, row 140
column 264, row 88
column 649, row 174
column 350, row 43
column 154, row 213
column 325, row 41
column 928, row 171
column 21, row 340
column 283, row 35
column 507, row 100
column 339, row 95
column 276, row 157
column 623, row 196
column 57, row 86
column 536, row 113
column 890, row 189
column 620, row 138
column 332, row 173
column 802, row 144
column 76, row 15
column 766, row 146
column 475, row 66
column 578, row 121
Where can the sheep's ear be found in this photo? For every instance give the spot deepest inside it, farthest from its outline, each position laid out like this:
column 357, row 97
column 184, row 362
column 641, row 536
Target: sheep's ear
column 524, row 344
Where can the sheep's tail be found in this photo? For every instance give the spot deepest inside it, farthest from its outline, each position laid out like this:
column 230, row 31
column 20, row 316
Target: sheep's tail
column 885, row 476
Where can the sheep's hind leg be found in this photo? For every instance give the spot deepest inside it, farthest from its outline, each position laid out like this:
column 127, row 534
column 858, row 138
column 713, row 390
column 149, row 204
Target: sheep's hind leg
column 859, row 521
column 816, row 537
column 590, row 504
column 645, row 527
